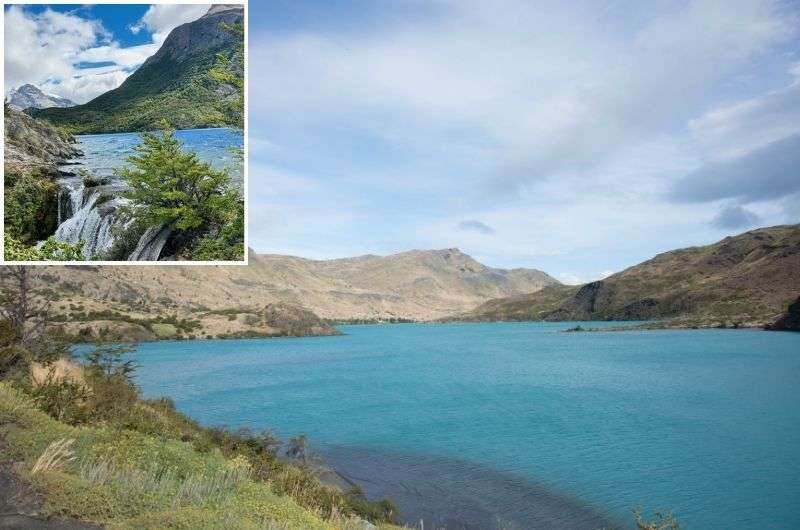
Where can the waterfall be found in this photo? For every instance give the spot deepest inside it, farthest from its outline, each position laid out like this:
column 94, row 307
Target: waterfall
column 83, row 216
column 151, row 244
column 91, row 223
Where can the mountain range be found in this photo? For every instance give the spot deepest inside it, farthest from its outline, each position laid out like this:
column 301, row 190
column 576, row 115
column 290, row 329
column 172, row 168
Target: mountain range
column 28, row 96
column 746, row 280
column 173, row 84
column 414, row 285
column 273, row 295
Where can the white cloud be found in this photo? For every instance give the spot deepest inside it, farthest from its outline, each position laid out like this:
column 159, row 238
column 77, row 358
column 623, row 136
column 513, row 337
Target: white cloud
column 569, row 278
column 160, row 19
column 736, row 129
column 550, row 88
column 46, row 48
column 42, row 48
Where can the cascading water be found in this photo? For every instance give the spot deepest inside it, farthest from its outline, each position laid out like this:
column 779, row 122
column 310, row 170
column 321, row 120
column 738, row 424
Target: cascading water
column 88, row 203
column 93, row 221
column 151, row 244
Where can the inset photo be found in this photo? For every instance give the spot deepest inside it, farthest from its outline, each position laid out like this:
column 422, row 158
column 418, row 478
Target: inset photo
column 124, row 133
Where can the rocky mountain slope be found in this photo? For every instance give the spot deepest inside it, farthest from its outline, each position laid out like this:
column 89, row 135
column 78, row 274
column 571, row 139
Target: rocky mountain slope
column 32, row 145
column 174, row 84
column 789, row 321
column 32, row 153
column 29, row 96
column 747, row 280
column 419, row 285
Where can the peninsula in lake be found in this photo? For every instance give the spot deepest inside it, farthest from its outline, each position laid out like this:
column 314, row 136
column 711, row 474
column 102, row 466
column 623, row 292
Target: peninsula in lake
column 150, row 170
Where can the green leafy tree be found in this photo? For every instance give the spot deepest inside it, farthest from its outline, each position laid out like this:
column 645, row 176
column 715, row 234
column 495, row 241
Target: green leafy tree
column 172, row 187
column 107, row 360
column 27, row 332
column 228, row 70
column 110, row 377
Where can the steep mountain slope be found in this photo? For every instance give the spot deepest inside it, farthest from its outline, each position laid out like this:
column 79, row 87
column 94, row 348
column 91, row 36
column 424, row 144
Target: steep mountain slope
column 420, row 285
column 33, row 145
column 173, row 84
column 746, row 279
column 29, row 96
column 32, row 152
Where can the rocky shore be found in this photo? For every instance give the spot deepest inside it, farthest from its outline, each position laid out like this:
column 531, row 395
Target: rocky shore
column 789, row 321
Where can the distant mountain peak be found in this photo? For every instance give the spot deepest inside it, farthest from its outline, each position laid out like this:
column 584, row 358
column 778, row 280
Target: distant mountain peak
column 30, row 96
column 220, row 8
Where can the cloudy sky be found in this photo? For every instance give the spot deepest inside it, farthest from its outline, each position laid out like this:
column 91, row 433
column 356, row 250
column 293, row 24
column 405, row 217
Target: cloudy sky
column 81, row 51
column 578, row 137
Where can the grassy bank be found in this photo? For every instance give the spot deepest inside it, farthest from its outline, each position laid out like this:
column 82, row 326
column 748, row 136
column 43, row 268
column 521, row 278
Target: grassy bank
column 124, row 462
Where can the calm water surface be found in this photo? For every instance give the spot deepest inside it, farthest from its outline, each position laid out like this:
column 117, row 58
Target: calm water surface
column 104, row 152
column 518, row 425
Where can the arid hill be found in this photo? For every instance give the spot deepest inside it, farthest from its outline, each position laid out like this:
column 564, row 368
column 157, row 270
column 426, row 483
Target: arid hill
column 274, row 292
column 747, row 280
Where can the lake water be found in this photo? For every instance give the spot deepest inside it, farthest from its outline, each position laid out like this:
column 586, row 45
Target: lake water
column 518, row 425
column 104, row 152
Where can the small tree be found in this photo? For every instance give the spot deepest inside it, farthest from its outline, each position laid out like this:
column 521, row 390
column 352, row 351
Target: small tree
column 26, row 331
column 106, row 360
column 110, row 378
column 172, row 187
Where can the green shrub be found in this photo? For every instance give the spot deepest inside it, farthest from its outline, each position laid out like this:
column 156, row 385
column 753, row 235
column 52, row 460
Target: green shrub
column 171, row 187
column 30, row 207
column 51, row 250
column 62, row 398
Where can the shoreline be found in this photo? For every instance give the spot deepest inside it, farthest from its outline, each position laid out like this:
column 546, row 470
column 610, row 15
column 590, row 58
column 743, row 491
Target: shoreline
column 458, row 494
column 570, row 327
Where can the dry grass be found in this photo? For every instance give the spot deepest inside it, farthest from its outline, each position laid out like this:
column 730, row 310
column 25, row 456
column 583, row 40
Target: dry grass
column 55, row 457
column 60, row 370
column 199, row 489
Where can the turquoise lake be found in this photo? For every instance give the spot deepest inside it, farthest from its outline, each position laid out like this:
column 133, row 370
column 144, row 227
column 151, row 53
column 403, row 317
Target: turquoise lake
column 104, row 152
column 518, row 425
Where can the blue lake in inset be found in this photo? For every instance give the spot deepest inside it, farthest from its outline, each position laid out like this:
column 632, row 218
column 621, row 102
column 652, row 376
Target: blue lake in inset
column 104, row 152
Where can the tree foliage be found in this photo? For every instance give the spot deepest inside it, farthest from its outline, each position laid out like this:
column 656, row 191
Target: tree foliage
column 30, row 200
column 228, row 70
column 27, row 333
column 172, row 187
column 107, row 359
column 50, row 250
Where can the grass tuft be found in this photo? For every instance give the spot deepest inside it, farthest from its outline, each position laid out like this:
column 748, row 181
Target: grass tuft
column 55, row 457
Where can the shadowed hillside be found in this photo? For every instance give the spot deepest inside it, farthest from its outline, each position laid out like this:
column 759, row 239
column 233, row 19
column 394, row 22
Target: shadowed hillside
column 746, row 279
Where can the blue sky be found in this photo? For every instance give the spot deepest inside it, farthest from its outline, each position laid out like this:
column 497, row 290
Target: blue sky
column 81, row 51
column 577, row 137
column 116, row 19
